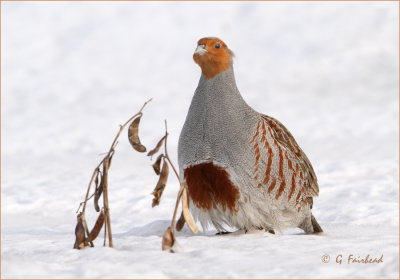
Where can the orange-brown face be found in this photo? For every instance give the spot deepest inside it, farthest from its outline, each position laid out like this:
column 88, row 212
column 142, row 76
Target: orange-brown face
column 213, row 56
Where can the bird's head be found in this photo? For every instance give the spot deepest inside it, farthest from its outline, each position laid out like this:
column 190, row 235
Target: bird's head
column 213, row 56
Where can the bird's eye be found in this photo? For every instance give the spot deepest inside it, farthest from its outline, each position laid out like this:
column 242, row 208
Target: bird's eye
column 217, row 46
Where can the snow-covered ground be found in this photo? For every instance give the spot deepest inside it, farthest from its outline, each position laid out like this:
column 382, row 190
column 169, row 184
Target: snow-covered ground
column 72, row 72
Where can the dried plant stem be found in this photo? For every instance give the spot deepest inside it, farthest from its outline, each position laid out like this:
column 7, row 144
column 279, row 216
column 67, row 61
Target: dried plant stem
column 167, row 156
column 86, row 228
column 105, row 201
column 96, row 170
column 106, row 165
column 176, row 209
column 179, row 193
column 177, row 176
column 105, row 232
column 169, row 238
column 111, row 151
column 173, row 168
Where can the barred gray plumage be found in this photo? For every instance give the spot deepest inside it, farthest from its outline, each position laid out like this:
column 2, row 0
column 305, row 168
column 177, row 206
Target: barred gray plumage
column 243, row 169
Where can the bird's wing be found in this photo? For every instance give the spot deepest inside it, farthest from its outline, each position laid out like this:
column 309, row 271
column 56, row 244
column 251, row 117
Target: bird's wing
column 287, row 141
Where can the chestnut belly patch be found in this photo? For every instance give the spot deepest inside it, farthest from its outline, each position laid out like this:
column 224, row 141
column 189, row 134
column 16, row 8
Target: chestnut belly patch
column 210, row 185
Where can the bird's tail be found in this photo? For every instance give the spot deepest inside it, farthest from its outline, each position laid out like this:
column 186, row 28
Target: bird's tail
column 316, row 227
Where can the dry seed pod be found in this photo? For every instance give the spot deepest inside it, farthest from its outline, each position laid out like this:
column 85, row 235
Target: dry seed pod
column 162, row 181
column 156, row 165
column 99, row 191
column 96, row 179
column 97, row 227
column 133, row 136
column 157, row 195
column 155, row 150
column 180, row 223
column 97, row 195
column 168, row 240
column 185, row 209
column 79, row 234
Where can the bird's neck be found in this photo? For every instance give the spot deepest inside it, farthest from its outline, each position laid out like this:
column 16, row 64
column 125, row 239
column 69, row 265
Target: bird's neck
column 224, row 76
column 220, row 92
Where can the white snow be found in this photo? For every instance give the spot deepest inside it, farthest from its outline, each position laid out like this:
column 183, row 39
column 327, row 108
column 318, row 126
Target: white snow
column 73, row 71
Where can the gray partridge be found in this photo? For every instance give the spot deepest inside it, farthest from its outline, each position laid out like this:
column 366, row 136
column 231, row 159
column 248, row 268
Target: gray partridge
column 243, row 169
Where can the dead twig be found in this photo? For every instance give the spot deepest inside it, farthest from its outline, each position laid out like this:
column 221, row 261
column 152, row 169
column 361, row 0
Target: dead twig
column 105, row 163
column 169, row 239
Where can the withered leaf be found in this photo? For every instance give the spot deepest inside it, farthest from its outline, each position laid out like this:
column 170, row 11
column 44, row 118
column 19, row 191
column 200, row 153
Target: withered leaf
column 180, row 223
column 157, row 164
column 157, row 148
column 133, row 136
column 168, row 240
column 162, row 181
column 185, row 209
column 97, row 227
column 79, row 234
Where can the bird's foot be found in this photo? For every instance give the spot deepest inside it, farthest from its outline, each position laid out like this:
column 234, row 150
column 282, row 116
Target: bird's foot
column 260, row 228
column 223, row 232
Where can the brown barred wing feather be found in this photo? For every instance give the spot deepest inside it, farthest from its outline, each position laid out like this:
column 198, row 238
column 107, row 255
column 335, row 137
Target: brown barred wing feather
column 286, row 139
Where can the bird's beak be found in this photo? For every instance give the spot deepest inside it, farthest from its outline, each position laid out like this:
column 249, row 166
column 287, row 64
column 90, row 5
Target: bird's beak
column 200, row 49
